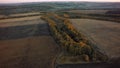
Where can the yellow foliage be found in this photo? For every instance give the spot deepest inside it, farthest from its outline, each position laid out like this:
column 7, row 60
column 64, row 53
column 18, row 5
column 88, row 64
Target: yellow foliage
column 66, row 15
column 68, row 37
column 86, row 58
column 82, row 44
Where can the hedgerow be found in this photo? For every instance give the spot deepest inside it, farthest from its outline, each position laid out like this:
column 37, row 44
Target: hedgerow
column 69, row 39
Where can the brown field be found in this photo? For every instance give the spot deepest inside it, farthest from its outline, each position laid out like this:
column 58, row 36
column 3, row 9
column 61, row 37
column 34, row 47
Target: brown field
column 104, row 34
column 20, row 15
column 21, row 21
column 31, row 52
column 26, row 43
column 25, row 14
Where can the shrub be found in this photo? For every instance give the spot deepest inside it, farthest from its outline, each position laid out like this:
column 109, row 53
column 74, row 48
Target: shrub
column 85, row 57
column 66, row 15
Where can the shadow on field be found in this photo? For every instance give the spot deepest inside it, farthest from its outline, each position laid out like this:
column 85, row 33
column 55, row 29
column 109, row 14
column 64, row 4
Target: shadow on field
column 115, row 63
column 16, row 32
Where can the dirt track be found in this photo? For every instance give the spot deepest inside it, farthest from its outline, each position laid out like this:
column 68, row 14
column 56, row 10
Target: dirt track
column 26, row 46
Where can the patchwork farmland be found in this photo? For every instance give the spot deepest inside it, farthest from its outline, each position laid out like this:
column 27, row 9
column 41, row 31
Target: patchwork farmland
column 26, row 43
column 60, row 35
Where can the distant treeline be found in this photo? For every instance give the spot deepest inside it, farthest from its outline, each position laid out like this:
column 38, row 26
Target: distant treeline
column 55, row 6
column 110, row 15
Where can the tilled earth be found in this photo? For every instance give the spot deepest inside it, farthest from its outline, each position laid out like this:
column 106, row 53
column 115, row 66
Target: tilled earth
column 26, row 43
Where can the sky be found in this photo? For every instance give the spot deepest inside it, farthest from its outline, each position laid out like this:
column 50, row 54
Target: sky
column 19, row 1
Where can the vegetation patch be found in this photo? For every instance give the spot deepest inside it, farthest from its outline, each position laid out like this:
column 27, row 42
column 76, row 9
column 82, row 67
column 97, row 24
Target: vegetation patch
column 76, row 48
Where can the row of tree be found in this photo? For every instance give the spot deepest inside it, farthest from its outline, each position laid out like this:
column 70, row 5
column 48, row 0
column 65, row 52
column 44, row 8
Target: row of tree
column 69, row 38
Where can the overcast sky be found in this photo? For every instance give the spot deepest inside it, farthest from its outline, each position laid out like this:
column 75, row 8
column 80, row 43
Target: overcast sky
column 19, row 1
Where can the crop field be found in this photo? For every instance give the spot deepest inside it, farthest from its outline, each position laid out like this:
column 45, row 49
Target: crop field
column 104, row 33
column 25, row 14
column 60, row 35
column 20, row 15
column 20, row 21
column 89, row 11
column 106, row 15
column 31, row 52
column 26, row 43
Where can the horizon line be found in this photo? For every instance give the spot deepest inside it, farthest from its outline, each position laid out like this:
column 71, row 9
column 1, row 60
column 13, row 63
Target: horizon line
column 60, row 1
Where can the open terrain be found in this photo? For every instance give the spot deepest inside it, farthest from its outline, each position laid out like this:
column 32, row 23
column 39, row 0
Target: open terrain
column 98, row 14
column 26, row 43
column 31, row 52
column 88, row 11
column 104, row 34
column 20, row 21
column 19, row 15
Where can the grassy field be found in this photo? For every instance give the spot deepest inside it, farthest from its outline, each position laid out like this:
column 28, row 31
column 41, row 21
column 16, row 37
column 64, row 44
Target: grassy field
column 104, row 33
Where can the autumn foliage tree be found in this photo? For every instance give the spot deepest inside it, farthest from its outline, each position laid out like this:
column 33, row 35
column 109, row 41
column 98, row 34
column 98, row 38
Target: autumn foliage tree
column 68, row 37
